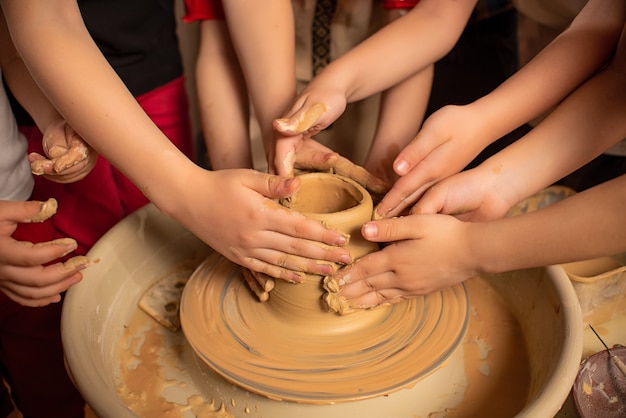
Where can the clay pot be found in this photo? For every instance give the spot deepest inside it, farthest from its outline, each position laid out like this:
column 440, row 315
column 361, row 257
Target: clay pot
column 294, row 347
column 341, row 204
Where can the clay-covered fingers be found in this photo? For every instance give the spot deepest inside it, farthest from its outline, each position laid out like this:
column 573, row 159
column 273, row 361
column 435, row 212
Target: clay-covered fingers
column 297, row 257
column 23, row 253
column 408, row 189
column 261, row 284
column 252, row 229
column 68, row 157
column 290, row 132
column 302, row 121
column 41, row 285
column 400, row 197
column 313, row 156
column 344, row 167
column 369, row 282
column 13, row 212
column 425, row 253
column 374, row 291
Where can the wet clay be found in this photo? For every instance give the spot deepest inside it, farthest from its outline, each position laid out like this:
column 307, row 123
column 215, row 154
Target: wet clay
column 145, row 358
column 154, row 362
column 265, row 349
column 294, row 347
column 48, row 209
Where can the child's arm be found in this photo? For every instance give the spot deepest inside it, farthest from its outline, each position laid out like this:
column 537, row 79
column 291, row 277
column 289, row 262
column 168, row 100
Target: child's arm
column 263, row 36
column 222, row 98
column 229, row 210
column 454, row 135
column 70, row 158
column 381, row 61
column 585, row 124
column 401, row 113
column 431, row 252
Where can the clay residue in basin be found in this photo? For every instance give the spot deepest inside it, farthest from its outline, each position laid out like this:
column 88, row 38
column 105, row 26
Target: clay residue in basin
column 145, row 358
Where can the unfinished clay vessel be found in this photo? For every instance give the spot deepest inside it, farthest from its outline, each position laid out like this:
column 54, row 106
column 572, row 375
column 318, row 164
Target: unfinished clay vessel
column 294, row 348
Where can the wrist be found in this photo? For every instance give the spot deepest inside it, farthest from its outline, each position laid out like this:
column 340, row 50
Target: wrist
column 483, row 247
column 167, row 189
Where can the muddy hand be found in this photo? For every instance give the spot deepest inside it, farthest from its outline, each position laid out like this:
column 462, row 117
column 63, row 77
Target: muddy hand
column 313, row 156
column 301, row 122
column 261, row 284
column 291, row 132
column 68, row 157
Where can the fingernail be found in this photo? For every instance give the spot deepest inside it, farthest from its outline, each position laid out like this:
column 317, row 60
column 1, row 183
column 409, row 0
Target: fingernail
column 342, row 240
column 343, row 280
column 68, row 249
column 323, row 269
column 345, row 259
column 370, row 230
column 76, row 279
column 402, row 167
column 296, row 278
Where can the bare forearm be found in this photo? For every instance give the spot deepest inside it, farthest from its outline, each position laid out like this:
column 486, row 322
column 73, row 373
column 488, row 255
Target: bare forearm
column 222, row 99
column 22, row 84
column 574, row 56
column 77, row 79
column 583, row 126
column 586, row 225
column 400, row 49
column 264, row 39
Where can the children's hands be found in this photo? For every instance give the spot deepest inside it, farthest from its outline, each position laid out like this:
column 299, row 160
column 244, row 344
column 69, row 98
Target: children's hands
column 313, row 156
column 243, row 222
column 69, row 157
column 24, row 275
column 427, row 253
column 311, row 113
column 473, row 195
column 447, row 142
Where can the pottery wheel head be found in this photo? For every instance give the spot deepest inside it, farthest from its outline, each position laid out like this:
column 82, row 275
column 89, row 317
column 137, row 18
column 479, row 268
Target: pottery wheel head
column 292, row 347
column 264, row 351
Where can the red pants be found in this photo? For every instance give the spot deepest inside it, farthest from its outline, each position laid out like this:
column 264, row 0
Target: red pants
column 31, row 355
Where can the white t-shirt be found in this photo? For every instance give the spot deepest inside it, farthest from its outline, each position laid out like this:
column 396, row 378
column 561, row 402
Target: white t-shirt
column 16, row 180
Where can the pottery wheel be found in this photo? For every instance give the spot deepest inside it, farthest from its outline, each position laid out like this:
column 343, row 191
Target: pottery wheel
column 265, row 352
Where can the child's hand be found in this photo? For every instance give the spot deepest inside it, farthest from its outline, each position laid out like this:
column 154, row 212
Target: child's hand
column 69, row 157
column 310, row 155
column 24, row 275
column 473, row 195
column 312, row 112
column 427, row 253
column 447, row 142
column 236, row 213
